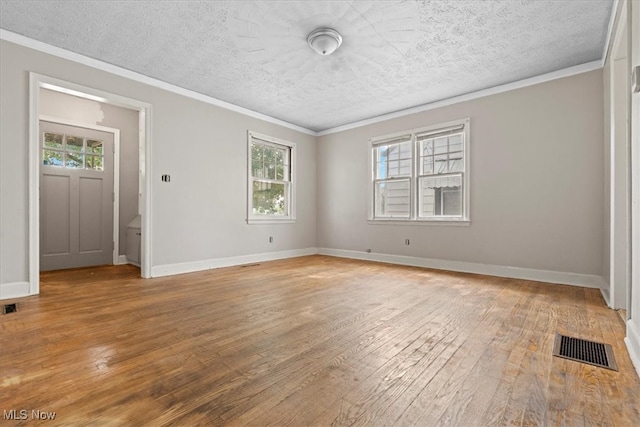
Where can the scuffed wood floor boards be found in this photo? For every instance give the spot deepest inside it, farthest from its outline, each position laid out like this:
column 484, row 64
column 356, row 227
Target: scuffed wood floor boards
column 309, row 341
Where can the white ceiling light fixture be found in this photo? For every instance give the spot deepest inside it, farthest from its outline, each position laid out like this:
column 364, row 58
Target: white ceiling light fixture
column 324, row 41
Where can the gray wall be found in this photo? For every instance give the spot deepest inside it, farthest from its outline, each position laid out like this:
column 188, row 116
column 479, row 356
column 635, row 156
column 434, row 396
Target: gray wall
column 536, row 182
column 200, row 214
column 536, row 160
column 65, row 106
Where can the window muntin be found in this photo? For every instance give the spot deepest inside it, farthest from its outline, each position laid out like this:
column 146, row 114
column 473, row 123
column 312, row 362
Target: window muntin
column 422, row 176
column 270, row 179
column 72, row 152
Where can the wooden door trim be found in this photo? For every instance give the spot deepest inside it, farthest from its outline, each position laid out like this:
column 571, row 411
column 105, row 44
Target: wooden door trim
column 37, row 81
column 116, row 172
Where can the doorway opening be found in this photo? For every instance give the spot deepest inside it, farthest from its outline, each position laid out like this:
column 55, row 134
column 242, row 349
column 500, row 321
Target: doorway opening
column 92, row 163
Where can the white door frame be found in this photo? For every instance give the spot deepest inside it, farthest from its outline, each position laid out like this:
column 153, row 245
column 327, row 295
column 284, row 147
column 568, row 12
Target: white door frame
column 620, row 221
column 37, row 81
column 116, row 173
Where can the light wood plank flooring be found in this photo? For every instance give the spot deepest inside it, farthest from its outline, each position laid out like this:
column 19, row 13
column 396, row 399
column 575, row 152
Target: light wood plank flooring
column 310, row 341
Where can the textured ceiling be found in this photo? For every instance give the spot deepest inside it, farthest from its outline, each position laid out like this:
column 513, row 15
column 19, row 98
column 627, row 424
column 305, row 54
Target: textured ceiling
column 395, row 54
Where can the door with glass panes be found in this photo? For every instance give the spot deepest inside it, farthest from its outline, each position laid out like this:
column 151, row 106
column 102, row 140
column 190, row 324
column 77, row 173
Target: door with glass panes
column 76, row 197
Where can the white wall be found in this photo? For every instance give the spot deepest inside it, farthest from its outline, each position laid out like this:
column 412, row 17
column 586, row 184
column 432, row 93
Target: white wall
column 197, row 218
column 536, row 183
column 60, row 105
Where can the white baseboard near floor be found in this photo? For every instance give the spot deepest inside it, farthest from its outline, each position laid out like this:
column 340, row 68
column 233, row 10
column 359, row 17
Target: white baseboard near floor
column 605, row 295
column 189, row 267
column 122, row 259
column 14, row 290
column 575, row 279
column 633, row 345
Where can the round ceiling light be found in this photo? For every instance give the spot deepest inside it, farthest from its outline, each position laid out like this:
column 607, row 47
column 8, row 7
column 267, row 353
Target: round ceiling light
column 324, row 41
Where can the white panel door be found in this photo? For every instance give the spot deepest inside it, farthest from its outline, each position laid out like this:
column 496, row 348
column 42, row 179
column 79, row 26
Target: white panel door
column 76, row 197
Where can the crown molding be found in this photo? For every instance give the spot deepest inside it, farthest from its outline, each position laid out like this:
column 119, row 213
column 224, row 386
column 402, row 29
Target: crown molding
column 122, row 72
column 566, row 72
column 141, row 78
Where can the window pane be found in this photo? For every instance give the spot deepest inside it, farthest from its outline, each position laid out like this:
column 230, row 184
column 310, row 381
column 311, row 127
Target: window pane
column 393, row 152
column 427, row 165
column 456, row 163
column 74, row 143
column 94, row 146
column 269, row 198
column 440, row 145
column 427, row 201
column 52, row 158
column 270, row 170
column 74, row 160
column 95, row 163
column 405, row 167
column 280, row 164
column 381, row 169
column 405, row 150
column 268, row 157
column 455, row 142
column 427, row 147
column 451, row 201
column 256, row 168
column 256, row 161
column 441, row 163
column 392, row 199
column 440, row 196
column 256, row 151
column 52, row 140
column 269, row 162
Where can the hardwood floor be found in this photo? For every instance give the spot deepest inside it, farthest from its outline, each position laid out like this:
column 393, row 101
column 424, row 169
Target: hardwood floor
column 309, row 341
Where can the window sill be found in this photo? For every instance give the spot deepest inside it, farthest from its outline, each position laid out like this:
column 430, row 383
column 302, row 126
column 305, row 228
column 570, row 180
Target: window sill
column 255, row 221
column 448, row 222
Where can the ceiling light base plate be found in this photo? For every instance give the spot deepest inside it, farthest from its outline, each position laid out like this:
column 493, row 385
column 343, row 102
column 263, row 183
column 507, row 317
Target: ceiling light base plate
column 324, row 41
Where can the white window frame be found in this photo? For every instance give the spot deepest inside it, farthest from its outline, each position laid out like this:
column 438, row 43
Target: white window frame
column 290, row 215
column 414, row 218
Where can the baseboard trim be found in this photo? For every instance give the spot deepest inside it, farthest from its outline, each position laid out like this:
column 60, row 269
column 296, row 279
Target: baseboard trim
column 632, row 341
column 189, row 267
column 122, row 259
column 557, row 277
column 605, row 296
column 14, row 290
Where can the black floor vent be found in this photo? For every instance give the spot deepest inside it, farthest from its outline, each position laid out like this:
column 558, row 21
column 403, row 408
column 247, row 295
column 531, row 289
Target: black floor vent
column 9, row 308
column 593, row 353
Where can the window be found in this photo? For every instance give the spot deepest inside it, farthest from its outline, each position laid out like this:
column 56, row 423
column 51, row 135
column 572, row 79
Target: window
column 271, row 179
column 72, row 152
column 422, row 175
column 393, row 178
